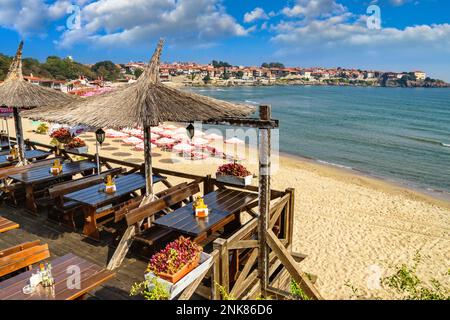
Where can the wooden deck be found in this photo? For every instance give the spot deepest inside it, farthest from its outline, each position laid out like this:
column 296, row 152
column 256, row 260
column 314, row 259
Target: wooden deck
column 62, row 242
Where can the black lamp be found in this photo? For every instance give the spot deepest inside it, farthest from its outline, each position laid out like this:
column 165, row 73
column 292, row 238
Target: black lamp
column 190, row 131
column 100, row 136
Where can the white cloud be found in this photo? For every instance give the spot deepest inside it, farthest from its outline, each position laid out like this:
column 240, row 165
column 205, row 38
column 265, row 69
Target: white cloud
column 256, row 14
column 124, row 22
column 313, row 9
column 348, row 30
column 30, row 16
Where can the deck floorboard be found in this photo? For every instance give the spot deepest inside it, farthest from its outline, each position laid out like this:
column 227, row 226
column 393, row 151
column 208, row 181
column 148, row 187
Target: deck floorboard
column 62, row 241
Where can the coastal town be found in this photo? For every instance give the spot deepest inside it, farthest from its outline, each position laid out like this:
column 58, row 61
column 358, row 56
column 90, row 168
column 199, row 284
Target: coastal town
column 69, row 76
column 220, row 73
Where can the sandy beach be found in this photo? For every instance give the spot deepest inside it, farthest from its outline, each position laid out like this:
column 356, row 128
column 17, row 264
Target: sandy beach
column 348, row 224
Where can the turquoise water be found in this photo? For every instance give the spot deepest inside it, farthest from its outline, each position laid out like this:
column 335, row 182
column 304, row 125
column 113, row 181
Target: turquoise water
column 395, row 133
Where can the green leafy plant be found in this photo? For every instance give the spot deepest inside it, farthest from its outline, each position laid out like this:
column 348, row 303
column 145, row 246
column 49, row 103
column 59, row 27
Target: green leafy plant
column 406, row 282
column 409, row 286
column 158, row 291
column 42, row 128
column 224, row 293
column 298, row 292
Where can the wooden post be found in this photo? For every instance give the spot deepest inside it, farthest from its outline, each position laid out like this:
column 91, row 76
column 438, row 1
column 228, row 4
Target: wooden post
column 290, row 221
column 19, row 135
column 215, row 277
column 207, row 185
column 127, row 238
column 148, row 162
column 264, row 199
column 221, row 246
column 97, row 158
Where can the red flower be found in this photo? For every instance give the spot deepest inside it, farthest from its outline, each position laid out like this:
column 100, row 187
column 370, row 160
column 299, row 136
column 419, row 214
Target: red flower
column 233, row 169
column 62, row 135
column 76, row 143
column 174, row 256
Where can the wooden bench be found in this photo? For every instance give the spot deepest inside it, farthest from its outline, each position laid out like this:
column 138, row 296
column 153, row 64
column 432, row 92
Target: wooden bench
column 171, row 197
column 22, row 256
column 6, row 225
column 136, row 202
column 63, row 211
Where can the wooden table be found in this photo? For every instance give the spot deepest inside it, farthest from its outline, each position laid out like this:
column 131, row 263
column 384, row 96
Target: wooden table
column 6, row 225
column 29, row 155
column 224, row 205
column 91, row 276
column 93, row 198
column 35, row 176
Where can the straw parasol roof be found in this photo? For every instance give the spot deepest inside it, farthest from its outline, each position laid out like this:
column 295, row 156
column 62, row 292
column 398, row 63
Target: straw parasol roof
column 146, row 102
column 17, row 93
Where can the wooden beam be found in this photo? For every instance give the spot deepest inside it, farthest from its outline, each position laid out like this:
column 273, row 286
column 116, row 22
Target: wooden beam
column 245, row 122
column 264, row 198
column 290, row 221
column 288, row 261
column 126, row 241
column 243, row 244
column 189, row 291
column 221, row 246
column 238, row 285
column 280, row 293
column 215, row 276
column 243, row 231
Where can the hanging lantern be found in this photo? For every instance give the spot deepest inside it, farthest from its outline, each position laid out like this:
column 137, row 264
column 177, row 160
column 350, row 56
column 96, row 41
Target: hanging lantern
column 100, row 136
column 190, row 131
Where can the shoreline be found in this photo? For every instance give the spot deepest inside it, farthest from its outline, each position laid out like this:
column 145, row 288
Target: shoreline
column 278, row 84
column 394, row 186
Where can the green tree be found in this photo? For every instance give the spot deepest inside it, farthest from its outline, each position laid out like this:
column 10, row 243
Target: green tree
column 5, row 62
column 138, row 72
column 273, row 65
column 106, row 69
column 220, row 64
column 206, row 78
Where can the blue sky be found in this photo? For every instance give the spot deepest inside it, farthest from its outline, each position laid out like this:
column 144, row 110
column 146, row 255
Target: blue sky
column 414, row 34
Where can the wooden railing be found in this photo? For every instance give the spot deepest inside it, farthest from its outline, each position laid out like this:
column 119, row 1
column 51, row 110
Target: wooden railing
column 238, row 253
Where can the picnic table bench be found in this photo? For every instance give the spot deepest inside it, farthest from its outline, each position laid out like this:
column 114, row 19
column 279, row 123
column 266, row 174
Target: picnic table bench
column 225, row 206
column 22, row 256
column 91, row 276
column 6, row 225
column 165, row 201
column 98, row 204
column 33, row 176
column 29, row 155
column 62, row 211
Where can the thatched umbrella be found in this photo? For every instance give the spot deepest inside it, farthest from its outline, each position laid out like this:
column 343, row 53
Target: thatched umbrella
column 147, row 102
column 17, row 93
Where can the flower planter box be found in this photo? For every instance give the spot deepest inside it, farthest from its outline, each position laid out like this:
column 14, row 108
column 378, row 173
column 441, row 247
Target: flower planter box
column 80, row 150
column 174, row 278
column 239, row 181
column 186, row 277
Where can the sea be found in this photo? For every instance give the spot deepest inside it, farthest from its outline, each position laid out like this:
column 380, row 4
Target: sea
column 398, row 134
